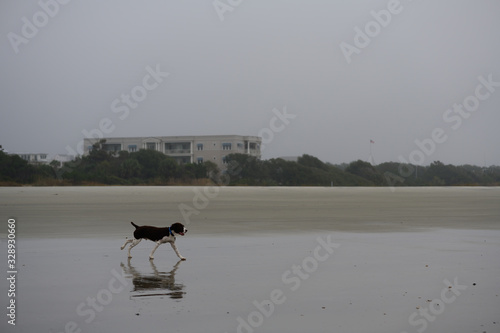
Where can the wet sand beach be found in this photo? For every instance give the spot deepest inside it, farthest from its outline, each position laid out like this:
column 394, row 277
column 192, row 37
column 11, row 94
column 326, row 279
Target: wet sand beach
column 258, row 259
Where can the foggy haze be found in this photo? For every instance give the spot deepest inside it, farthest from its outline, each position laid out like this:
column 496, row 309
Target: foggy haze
column 419, row 78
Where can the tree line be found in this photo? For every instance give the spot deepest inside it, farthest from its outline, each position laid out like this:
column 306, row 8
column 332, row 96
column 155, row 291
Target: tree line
column 310, row 171
column 149, row 167
column 144, row 167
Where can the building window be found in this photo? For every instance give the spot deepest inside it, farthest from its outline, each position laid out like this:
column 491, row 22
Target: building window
column 240, row 146
column 151, row 145
column 224, row 160
column 226, row 146
column 182, row 159
column 132, row 148
column 113, row 147
column 200, row 146
column 89, row 148
column 200, row 160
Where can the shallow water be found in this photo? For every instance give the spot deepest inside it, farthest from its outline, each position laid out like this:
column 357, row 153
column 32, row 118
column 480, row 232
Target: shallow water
column 258, row 259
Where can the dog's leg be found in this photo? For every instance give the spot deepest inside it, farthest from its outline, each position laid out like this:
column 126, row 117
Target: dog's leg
column 158, row 243
column 177, row 251
column 126, row 242
column 134, row 243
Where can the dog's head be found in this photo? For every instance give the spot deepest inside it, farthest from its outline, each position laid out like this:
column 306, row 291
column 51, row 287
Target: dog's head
column 178, row 228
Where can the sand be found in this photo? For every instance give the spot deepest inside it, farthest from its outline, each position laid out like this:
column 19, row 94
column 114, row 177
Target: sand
column 258, row 260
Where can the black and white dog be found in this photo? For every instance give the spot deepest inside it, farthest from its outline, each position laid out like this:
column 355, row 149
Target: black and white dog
column 158, row 235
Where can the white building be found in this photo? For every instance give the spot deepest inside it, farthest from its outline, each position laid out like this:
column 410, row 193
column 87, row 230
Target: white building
column 34, row 158
column 186, row 149
column 43, row 158
column 62, row 158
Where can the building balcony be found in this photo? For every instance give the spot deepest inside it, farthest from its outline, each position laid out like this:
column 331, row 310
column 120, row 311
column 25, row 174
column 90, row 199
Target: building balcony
column 177, row 151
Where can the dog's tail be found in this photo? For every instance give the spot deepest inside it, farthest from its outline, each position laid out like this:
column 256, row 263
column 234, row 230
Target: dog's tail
column 135, row 225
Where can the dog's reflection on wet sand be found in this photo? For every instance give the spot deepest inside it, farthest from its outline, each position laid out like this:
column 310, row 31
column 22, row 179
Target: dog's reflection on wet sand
column 154, row 283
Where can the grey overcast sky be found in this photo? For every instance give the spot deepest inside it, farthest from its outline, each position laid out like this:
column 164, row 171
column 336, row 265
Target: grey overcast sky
column 420, row 78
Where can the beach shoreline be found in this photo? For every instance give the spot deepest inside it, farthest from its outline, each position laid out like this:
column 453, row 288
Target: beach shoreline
column 107, row 211
column 258, row 259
